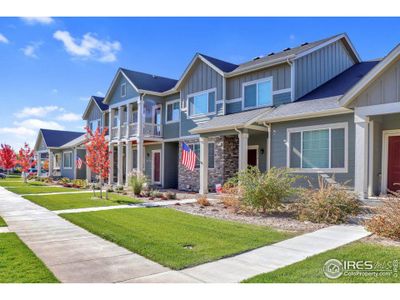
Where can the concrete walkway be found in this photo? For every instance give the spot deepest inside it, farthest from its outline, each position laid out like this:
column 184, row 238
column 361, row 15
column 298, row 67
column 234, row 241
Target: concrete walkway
column 75, row 255
column 138, row 205
column 4, row 229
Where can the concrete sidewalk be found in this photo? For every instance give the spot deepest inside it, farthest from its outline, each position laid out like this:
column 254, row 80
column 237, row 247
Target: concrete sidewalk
column 70, row 252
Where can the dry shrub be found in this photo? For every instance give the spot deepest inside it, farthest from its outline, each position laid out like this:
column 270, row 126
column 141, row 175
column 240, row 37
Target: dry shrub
column 328, row 204
column 230, row 197
column 203, row 201
column 386, row 222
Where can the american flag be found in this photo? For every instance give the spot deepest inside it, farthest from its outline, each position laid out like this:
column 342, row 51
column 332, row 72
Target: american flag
column 79, row 163
column 188, row 157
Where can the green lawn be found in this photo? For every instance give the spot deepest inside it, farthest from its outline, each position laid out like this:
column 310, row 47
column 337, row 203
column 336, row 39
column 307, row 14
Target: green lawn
column 18, row 264
column 79, row 200
column 175, row 239
column 311, row 269
column 2, row 222
column 40, row 189
column 10, row 183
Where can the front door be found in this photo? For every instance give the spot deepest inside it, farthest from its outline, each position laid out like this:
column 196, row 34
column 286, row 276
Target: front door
column 156, row 173
column 252, row 159
column 394, row 163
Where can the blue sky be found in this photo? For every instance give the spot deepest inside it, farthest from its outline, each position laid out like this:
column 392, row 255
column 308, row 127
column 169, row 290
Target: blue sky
column 50, row 66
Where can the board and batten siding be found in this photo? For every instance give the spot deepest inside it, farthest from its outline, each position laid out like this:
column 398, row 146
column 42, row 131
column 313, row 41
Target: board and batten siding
column 170, row 130
column 42, row 144
column 384, row 89
column 280, row 77
column 115, row 96
column 318, row 67
column 279, row 146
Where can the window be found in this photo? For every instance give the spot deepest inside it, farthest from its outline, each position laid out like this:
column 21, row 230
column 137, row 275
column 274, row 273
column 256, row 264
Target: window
column 134, row 116
column 202, row 103
column 67, row 160
column 317, row 148
column 57, row 161
column 94, row 124
column 115, row 120
column 173, row 112
column 257, row 93
column 196, row 148
column 123, row 90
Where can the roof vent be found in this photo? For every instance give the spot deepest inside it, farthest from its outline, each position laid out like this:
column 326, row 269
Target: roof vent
column 306, row 43
column 287, row 49
column 155, row 76
column 257, row 57
column 272, row 53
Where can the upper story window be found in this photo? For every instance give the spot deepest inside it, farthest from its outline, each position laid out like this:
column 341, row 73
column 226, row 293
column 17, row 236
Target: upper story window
column 94, row 124
column 123, row 89
column 173, row 112
column 318, row 148
column 202, row 103
column 257, row 93
column 67, row 160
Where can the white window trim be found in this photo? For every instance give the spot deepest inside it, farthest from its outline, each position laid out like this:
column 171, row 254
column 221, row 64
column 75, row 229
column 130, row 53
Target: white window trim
column 265, row 79
column 385, row 156
column 63, row 164
column 153, row 152
column 96, row 121
column 192, row 144
column 343, row 125
column 253, row 147
column 199, row 93
column 172, row 102
column 123, row 88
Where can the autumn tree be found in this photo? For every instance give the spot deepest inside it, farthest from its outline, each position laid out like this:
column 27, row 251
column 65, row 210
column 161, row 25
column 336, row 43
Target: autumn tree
column 98, row 155
column 7, row 157
column 24, row 159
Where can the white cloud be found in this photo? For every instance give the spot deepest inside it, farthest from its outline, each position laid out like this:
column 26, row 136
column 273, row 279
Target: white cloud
column 100, row 94
column 54, row 91
column 38, row 111
column 19, row 131
column 89, row 47
column 30, row 49
column 37, row 123
column 38, row 20
column 292, row 37
column 69, row 117
column 84, row 98
column 3, row 39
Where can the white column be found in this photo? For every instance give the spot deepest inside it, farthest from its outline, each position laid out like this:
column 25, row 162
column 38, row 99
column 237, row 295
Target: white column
column 140, row 147
column 50, row 164
column 140, row 155
column 74, row 157
column 110, row 122
column 38, row 164
column 203, row 166
column 243, row 147
column 103, row 121
column 162, row 164
column 111, row 175
column 120, row 164
column 128, row 118
column 128, row 156
column 361, row 155
column 371, row 158
column 119, row 121
column 88, row 174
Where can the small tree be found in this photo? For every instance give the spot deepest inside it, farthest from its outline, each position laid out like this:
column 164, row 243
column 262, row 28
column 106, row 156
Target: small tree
column 7, row 157
column 98, row 155
column 24, row 159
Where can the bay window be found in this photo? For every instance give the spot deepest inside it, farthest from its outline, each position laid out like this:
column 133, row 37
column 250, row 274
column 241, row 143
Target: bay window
column 202, row 103
column 318, row 148
column 257, row 93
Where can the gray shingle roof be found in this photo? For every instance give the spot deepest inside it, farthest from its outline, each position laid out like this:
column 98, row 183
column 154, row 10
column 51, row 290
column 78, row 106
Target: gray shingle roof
column 99, row 101
column 232, row 120
column 149, row 82
column 220, row 64
column 57, row 138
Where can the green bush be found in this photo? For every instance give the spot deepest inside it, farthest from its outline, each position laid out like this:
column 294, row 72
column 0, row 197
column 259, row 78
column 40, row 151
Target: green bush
column 79, row 183
column 137, row 181
column 328, row 204
column 64, row 180
column 264, row 191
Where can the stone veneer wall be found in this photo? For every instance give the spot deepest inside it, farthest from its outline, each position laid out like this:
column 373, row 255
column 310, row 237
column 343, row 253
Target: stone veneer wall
column 225, row 164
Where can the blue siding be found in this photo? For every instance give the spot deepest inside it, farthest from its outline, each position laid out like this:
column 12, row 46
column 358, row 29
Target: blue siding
column 283, row 98
column 233, row 107
column 115, row 96
column 67, row 172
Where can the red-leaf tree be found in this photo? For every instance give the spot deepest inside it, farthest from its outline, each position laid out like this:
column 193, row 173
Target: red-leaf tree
column 25, row 157
column 7, row 157
column 98, row 155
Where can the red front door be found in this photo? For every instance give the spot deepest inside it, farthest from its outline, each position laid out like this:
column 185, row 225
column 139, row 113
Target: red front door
column 394, row 164
column 156, row 167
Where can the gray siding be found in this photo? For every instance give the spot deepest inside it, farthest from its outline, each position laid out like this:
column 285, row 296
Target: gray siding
column 279, row 148
column 115, row 96
column 260, row 140
column 94, row 112
column 171, row 163
column 234, row 107
column 67, row 172
column 280, row 75
column 81, row 173
column 385, row 89
column 170, row 130
column 42, row 145
column 148, row 159
column 319, row 66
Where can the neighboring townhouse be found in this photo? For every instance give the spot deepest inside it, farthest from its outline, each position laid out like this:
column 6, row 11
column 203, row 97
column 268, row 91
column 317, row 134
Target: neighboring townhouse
column 61, row 150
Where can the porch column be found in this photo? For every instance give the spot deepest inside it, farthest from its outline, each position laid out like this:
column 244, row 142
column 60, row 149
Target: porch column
column 39, row 164
column 128, row 119
column 111, row 175
column 243, row 146
column 140, row 155
column 203, row 166
column 140, row 141
column 50, row 164
column 103, row 121
column 110, row 122
column 88, row 174
column 120, row 164
column 120, row 121
column 361, row 154
column 128, row 156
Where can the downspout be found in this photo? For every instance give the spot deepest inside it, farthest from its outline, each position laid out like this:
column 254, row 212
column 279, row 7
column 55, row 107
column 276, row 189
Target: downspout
column 268, row 145
column 292, row 79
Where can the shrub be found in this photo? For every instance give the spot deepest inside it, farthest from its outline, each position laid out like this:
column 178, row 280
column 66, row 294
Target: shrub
column 155, row 194
column 203, row 201
column 64, row 180
column 230, row 197
column 386, row 222
column 137, row 181
column 265, row 191
column 329, row 204
column 170, row 195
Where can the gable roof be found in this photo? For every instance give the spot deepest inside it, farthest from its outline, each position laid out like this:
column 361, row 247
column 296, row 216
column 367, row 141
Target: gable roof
column 98, row 101
column 149, row 82
column 220, row 64
column 57, row 138
column 372, row 75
